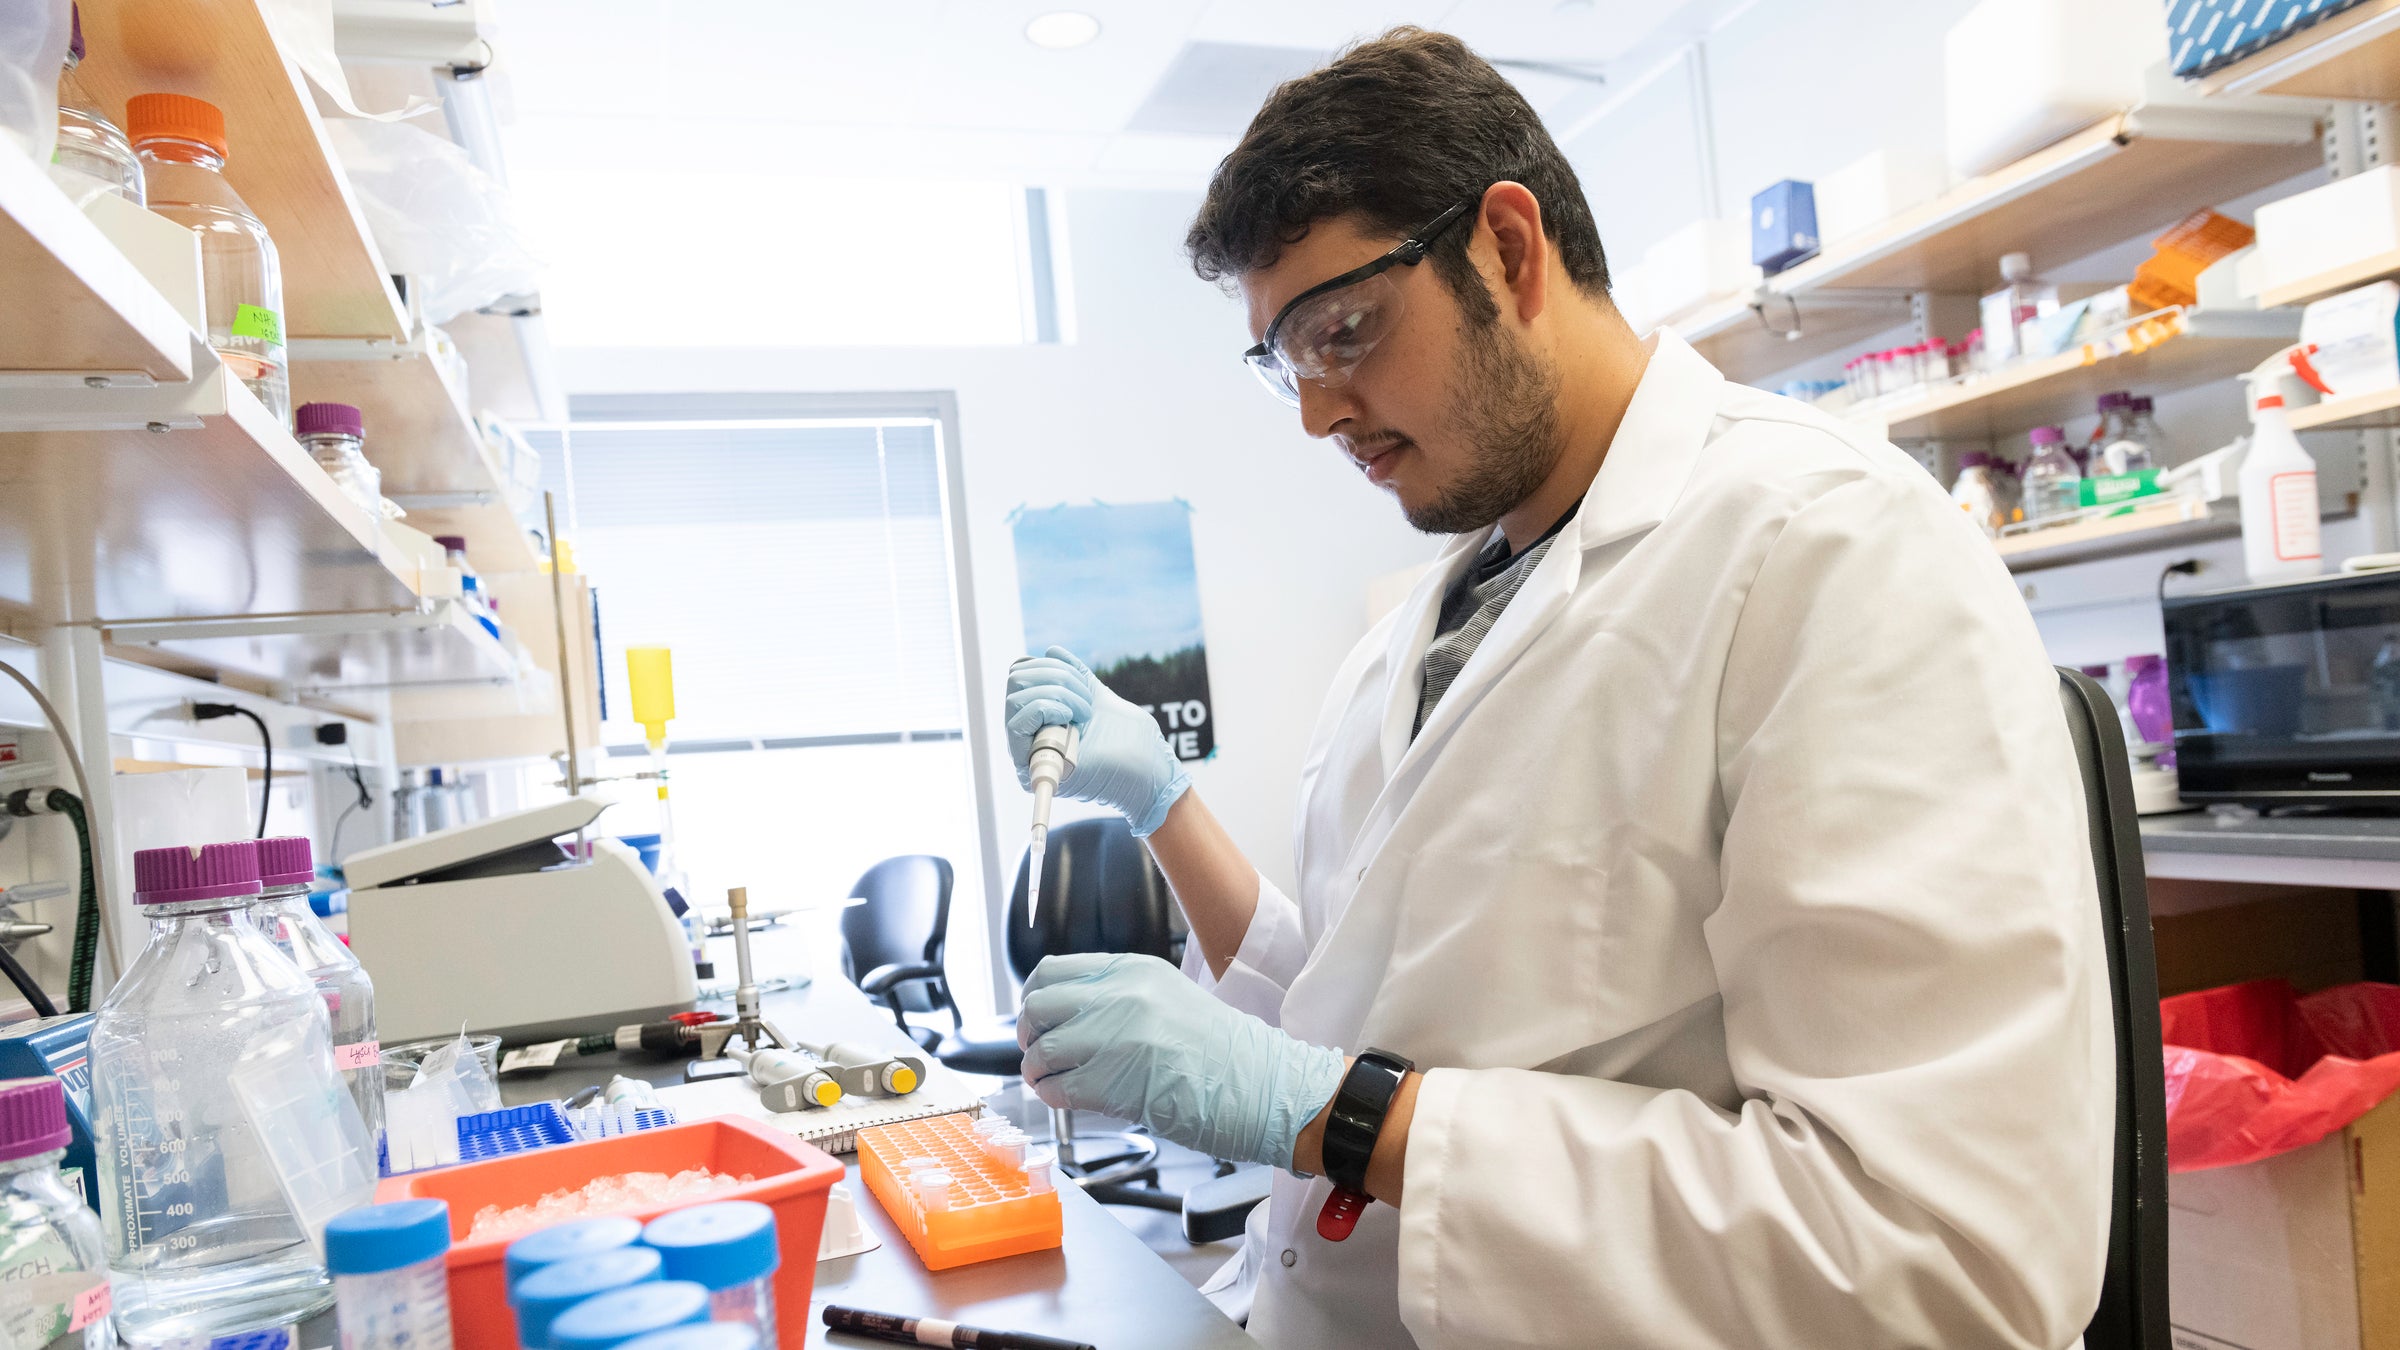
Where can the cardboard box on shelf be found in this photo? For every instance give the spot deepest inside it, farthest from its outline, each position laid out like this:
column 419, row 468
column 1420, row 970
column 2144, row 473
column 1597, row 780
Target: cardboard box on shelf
column 2298, row 1252
column 2347, row 221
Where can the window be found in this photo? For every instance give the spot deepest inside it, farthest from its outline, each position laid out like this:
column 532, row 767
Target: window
column 672, row 259
column 800, row 566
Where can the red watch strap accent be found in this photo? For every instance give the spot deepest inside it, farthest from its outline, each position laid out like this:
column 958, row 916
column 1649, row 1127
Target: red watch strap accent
column 1340, row 1215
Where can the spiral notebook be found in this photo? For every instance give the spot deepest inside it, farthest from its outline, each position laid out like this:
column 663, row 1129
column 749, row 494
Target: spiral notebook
column 835, row 1128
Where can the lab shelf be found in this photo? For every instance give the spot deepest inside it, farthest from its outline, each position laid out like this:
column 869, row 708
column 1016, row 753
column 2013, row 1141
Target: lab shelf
column 2138, row 170
column 2353, row 55
column 2334, row 280
column 2171, row 523
column 178, row 501
column 441, row 644
column 432, row 455
column 2379, row 409
column 2213, row 345
column 98, row 315
column 334, row 282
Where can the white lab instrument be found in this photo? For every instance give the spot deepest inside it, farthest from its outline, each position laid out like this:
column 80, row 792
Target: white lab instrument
column 493, row 927
column 1676, row 760
column 1052, row 760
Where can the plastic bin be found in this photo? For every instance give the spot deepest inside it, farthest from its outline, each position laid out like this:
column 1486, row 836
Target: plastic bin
column 792, row 1180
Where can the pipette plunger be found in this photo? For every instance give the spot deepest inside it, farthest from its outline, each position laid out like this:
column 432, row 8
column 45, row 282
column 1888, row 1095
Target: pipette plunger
column 1052, row 760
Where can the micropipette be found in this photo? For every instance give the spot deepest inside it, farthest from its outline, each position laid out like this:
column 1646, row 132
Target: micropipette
column 1053, row 759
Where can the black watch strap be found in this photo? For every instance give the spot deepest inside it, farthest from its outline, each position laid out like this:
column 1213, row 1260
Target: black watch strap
column 1356, row 1119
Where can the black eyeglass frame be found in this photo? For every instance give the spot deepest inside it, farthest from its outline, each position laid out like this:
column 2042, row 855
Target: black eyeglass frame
column 1408, row 253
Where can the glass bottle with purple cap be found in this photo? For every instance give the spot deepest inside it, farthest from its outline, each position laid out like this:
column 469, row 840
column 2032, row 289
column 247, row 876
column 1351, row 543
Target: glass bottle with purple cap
column 335, row 436
column 53, row 1275
column 286, row 866
column 200, row 1238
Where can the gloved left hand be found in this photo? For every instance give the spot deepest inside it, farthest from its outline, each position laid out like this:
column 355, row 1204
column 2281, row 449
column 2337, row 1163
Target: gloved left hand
column 1133, row 1037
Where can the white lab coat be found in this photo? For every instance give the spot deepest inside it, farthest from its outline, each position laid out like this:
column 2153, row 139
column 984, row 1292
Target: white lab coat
column 1737, row 899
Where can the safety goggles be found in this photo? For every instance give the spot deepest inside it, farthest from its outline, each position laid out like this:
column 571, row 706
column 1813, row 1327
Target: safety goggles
column 1326, row 331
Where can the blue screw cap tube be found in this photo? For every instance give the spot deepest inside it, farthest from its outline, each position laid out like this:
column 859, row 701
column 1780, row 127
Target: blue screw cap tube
column 568, row 1242
column 610, row 1320
column 540, row 1298
column 729, row 1248
column 391, row 1277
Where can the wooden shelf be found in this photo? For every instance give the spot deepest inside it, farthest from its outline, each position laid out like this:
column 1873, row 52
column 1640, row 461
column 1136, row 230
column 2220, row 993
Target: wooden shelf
column 334, row 281
column 443, row 645
column 2135, row 172
column 2214, row 345
column 2379, row 409
column 420, row 435
column 217, row 512
column 2353, row 55
column 2333, row 281
column 2159, row 522
column 98, row 314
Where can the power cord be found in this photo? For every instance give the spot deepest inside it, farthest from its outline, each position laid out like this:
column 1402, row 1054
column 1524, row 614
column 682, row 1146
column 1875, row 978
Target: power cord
column 206, row 712
column 358, row 780
column 2189, row 567
column 101, row 919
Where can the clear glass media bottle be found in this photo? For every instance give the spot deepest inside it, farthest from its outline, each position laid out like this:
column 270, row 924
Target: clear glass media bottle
column 201, row 1240
column 335, row 436
column 182, row 145
column 286, row 866
column 53, row 1280
column 93, row 156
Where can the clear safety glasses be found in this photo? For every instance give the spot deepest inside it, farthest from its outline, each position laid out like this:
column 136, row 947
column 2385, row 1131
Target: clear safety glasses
column 1326, row 331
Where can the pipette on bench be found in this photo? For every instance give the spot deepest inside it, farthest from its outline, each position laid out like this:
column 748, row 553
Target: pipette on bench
column 1052, row 760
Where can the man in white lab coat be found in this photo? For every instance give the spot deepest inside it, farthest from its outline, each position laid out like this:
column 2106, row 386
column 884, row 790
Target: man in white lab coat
column 1695, row 941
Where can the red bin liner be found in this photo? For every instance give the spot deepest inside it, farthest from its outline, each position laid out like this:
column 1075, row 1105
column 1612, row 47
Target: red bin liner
column 2254, row 1070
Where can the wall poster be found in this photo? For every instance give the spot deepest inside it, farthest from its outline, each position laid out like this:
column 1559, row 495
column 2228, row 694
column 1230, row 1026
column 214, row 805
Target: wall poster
column 1115, row 584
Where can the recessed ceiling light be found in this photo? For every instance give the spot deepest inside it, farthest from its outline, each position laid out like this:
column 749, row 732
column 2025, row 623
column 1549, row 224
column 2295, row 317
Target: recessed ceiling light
column 1062, row 28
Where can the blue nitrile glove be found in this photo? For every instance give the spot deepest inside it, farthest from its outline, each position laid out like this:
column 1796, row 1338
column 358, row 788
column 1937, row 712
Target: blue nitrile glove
column 1131, row 1037
column 1121, row 760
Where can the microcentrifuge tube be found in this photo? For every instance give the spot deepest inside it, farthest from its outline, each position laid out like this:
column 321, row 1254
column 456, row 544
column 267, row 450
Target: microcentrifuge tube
column 1038, row 1164
column 933, row 1191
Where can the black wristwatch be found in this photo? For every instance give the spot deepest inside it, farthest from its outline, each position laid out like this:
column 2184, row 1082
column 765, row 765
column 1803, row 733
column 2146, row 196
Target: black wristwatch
column 1356, row 1119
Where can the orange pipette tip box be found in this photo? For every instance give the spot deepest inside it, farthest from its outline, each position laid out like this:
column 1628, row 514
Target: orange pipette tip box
column 993, row 1212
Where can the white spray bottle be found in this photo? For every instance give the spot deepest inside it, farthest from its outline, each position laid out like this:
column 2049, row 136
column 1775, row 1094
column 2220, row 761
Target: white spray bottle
column 2278, row 489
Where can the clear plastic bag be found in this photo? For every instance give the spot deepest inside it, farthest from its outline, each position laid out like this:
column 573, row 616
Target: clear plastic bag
column 33, row 49
column 2257, row 1069
column 439, row 219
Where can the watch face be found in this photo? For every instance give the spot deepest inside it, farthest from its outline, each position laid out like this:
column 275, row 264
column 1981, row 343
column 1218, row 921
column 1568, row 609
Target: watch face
column 1356, row 1119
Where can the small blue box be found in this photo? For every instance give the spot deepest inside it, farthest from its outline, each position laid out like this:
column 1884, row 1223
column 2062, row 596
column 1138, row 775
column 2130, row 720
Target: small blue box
column 1783, row 225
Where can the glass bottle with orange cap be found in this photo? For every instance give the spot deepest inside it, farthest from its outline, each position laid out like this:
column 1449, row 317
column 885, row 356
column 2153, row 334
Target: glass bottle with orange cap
column 182, row 145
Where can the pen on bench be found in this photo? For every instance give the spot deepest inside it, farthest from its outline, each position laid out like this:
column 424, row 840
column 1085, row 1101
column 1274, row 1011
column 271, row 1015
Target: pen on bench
column 935, row 1331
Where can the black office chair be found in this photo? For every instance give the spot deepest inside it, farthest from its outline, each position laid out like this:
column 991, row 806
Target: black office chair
column 1100, row 893
column 2133, row 1294
column 897, row 938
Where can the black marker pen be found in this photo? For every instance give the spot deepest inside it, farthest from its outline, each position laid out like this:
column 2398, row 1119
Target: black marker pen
column 935, row 1331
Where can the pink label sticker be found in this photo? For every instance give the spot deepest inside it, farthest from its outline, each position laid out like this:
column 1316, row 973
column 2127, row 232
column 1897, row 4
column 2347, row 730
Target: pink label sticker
column 359, row 1055
column 90, row 1306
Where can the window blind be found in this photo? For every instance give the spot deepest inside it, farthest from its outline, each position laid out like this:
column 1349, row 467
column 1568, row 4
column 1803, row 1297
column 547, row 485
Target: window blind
column 799, row 568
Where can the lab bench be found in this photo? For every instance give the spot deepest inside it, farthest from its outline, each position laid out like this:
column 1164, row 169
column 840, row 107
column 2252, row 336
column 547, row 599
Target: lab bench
column 2342, row 852
column 1102, row 1285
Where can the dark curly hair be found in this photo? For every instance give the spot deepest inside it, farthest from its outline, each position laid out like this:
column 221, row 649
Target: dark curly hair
column 1396, row 130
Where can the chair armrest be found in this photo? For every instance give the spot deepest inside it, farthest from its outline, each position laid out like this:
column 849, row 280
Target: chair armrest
column 881, row 979
column 1219, row 1208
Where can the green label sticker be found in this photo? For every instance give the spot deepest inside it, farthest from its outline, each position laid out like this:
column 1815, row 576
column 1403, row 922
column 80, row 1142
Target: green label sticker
column 2109, row 489
column 257, row 321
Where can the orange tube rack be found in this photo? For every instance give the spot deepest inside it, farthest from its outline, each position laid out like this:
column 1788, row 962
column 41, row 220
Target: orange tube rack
column 993, row 1210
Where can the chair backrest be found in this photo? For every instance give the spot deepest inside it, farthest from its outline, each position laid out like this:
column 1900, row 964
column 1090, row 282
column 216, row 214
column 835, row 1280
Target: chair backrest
column 2133, row 1295
column 1100, row 893
column 906, row 917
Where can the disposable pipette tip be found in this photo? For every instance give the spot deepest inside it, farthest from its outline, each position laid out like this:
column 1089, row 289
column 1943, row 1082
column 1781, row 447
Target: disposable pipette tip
column 1033, row 878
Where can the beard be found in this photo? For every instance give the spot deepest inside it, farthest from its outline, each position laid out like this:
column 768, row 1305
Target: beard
column 1507, row 408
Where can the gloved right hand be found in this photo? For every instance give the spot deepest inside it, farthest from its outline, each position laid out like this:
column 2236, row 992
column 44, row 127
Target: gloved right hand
column 1122, row 760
